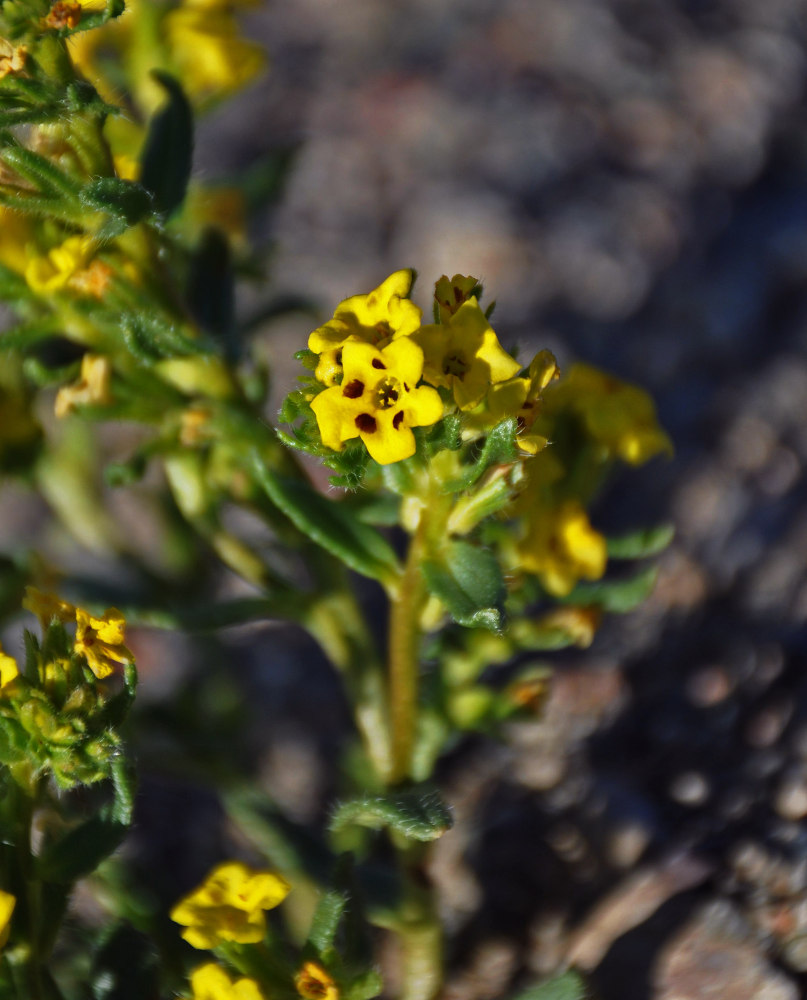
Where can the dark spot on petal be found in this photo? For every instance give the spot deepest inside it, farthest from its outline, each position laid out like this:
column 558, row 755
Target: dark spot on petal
column 366, row 423
column 397, row 420
column 353, row 389
column 406, row 387
column 457, row 294
column 378, row 364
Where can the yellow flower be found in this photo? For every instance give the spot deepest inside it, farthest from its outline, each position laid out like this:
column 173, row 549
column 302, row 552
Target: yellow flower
column 619, row 416
column 7, row 904
column 313, row 983
column 15, row 232
column 53, row 271
column 561, row 547
column 450, row 293
column 211, row 982
column 520, row 397
column 47, row 607
column 229, row 905
column 8, row 671
column 100, row 640
column 92, row 387
column 378, row 400
column 375, row 318
column 465, row 355
column 207, row 51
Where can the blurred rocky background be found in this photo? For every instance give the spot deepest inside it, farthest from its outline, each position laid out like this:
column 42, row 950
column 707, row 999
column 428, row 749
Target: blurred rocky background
column 629, row 180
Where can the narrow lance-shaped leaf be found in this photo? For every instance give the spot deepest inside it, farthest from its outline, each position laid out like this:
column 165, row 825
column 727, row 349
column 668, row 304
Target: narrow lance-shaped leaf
column 417, row 814
column 168, row 151
column 640, row 544
column 330, row 525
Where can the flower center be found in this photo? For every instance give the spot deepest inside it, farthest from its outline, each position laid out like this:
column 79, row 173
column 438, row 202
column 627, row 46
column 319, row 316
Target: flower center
column 455, row 364
column 387, row 392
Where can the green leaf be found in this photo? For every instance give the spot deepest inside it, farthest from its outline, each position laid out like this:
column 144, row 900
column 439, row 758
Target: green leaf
column 84, row 847
column 126, row 200
column 288, row 845
column 20, row 338
column 617, row 596
column 417, row 813
column 211, row 290
column 568, row 986
column 48, row 178
column 365, row 986
column 468, row 580
column 331, row 524
column 327, row 917
column 168, row 151
column 499, row 448
column 639, row 544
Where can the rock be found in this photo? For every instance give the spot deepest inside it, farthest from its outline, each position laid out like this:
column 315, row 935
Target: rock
column 714, row 956
column 791, row 797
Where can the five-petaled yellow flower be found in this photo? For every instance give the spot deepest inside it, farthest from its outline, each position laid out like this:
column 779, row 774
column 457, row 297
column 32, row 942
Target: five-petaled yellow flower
column 378, row 400
column 47, row 606
column 464, row 355
column 101, row 640
column 314, row 983
column 619, row 416
column 7, row 904
column 375, row 318
column 211, row 982
column 229, row 905
column 561, row 547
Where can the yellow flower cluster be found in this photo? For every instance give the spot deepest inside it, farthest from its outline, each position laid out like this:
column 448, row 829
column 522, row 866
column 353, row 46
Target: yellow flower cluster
column 383, row 369
column 229, row 905
column 99, row 640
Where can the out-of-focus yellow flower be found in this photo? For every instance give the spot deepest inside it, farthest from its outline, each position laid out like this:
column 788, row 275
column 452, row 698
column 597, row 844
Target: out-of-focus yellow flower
column 101, row 640
column 92, row 387
column 7, row 904
column 375, row 318
column 450, row 293
column 520, row 397
column 211, row 982
column 8, row 669
column 561, row 547
column 47, row 606
column 464, row 355
column 619, row 416
column 378, row 400
column 229, row 905
column 12, row 58
column 209, row 55
column 52, row 272
column 313, row 983
column 15, row 232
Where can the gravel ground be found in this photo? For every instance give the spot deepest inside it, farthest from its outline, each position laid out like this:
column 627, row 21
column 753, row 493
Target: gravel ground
column 628, row 179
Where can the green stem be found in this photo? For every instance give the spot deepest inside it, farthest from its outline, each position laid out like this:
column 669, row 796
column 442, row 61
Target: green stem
column 404, row 659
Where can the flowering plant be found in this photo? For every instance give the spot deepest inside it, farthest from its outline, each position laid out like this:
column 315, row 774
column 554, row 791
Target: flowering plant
column 467, row 479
